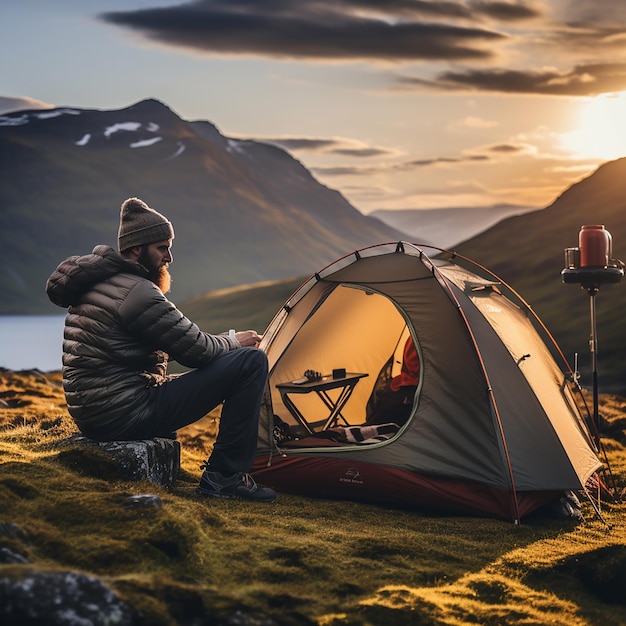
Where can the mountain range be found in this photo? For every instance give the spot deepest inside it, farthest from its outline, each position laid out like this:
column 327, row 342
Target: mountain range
column 446, row 227
column 243, row 211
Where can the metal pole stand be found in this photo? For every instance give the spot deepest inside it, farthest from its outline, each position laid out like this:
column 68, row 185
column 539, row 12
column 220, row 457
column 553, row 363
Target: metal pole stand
column 593, row 348
column 591, row 279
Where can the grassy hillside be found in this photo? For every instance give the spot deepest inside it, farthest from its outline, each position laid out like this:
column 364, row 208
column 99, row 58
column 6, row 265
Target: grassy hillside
column 298, row 561
column 245, row 307
column 527, row 252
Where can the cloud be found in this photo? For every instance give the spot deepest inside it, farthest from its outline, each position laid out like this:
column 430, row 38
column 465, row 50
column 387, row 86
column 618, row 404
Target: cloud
column 9, row 104
column 440, row 160
column 471, row 122
column 301, row 143
column 507, row 11
column 508, row 148
column 582, row 80
column 402, row 166
column 347, row 170
column 410, row 31
column 584, row 12
column 336, row 145
column 342, row 30
column 481, row 154
column 586, row 40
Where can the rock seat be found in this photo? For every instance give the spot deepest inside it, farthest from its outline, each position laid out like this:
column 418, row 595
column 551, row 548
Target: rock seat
column 156, row 460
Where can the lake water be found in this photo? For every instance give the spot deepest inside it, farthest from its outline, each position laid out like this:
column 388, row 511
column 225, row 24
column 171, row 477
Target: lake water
column 31, row 342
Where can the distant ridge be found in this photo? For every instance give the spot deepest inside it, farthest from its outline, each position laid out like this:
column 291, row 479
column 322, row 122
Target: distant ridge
column 447, row 227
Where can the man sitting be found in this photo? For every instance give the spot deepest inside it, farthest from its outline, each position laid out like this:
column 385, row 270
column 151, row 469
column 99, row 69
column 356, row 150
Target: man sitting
column 121, row 331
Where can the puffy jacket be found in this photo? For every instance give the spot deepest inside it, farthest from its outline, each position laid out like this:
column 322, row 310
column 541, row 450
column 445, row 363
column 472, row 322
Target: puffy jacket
column 119, row 332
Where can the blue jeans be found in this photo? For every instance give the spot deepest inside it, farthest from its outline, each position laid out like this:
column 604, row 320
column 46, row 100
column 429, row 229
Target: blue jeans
column 237, row 379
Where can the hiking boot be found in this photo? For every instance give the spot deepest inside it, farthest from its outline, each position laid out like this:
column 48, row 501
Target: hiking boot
column 240, row 485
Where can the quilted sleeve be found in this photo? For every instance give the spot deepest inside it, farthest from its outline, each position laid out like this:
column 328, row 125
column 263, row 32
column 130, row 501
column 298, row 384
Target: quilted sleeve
column 149, row 315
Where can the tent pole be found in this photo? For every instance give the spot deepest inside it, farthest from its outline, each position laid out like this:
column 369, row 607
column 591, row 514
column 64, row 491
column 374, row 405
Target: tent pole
column 596, row 507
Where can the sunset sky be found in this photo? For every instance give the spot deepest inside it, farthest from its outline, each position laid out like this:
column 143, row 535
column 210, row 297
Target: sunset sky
column 398, row 104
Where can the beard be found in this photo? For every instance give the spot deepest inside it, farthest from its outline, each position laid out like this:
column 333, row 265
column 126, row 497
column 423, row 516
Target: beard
column 159, row 275
column 163, row 279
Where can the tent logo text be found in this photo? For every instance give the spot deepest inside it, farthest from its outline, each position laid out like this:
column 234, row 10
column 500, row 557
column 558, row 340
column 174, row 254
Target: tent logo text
column 352, row 476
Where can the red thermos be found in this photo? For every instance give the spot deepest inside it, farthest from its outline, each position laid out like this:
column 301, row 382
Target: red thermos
column 595, row 243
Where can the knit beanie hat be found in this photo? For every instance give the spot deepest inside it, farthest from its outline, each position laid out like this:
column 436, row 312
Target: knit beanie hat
column 139, row 225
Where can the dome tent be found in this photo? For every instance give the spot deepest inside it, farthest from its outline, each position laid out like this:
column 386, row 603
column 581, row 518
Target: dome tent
column 494, row 429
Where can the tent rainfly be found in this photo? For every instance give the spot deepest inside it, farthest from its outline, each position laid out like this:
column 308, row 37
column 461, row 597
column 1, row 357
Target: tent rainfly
column 494, row 428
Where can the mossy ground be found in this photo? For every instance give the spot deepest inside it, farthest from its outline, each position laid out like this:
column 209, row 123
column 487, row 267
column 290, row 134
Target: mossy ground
column 299, row 560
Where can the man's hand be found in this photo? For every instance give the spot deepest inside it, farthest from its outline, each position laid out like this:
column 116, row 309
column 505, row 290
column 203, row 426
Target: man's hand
column 248, row 338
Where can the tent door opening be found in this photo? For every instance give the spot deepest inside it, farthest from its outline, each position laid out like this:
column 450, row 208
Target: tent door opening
column 351, row 346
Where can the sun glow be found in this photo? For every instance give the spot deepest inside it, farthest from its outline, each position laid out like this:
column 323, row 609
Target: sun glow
column 601, row 131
